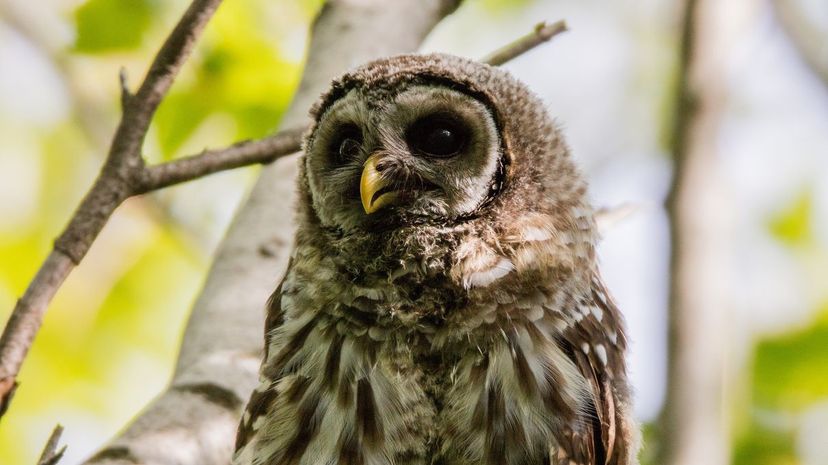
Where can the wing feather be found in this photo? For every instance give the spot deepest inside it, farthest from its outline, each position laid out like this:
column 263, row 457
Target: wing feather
column 263, row 396
column 596, row 343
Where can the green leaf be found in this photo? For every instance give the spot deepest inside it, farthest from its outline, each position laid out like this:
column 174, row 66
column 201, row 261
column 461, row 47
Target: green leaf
column 762, row 446
column 179, row 115
column 789, row 371
column 237, row 71
column 498, row 6
column 793, row 225
column 106, row 25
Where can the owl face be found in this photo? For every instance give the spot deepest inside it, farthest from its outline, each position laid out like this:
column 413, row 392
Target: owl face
column 380, row 158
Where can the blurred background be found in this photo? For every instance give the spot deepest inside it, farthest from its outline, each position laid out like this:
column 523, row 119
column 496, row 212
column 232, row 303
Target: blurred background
column 110, row 338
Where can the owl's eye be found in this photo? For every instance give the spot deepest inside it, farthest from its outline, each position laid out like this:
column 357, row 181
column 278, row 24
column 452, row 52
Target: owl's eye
column 347, row 143
column 438, row 136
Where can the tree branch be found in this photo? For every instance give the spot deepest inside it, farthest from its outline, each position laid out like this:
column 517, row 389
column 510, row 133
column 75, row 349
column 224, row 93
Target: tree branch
column 115, row 183
column 805, row 35
column 212, row 161
column 543, row 33
column 51, row 454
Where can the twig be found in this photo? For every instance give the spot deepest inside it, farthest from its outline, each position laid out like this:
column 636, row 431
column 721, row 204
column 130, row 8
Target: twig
column 124, row 175
column 51, row 454
column 543, row 33
column 805, row 35
column 211, row 161
column 609, row 217
column 123, row 80
column 116, row 182
column 90, row 112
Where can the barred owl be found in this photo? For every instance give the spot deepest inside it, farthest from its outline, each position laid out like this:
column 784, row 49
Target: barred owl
column 442, row 304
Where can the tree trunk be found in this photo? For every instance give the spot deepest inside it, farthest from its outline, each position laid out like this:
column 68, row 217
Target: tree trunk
column 694, row 425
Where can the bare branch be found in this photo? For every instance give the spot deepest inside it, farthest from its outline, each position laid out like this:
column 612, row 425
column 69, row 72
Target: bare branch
column 26, row 319
column 211, row 161
column 159, row 78
column 608, row 217
column 51, row 454
column 126, row 95
column 114, row 184
column 9, row 385
column 543, row 33
column 806, row 36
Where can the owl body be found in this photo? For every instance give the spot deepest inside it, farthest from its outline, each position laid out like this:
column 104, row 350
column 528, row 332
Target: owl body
column 442, row 304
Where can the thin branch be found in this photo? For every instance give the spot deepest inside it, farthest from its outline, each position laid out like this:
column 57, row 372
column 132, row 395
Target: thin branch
column 543, row 32
column 609, row 217
column 88, row 112
column 124, row 175
column 126, row 95
column 806, row 36
column 160, row 76
column 51, row 454
column 211, row 161
column 114, row 184
column 9, row 386
column 25, row 321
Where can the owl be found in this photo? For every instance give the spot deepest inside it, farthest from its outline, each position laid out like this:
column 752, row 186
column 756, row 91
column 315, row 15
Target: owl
column 442, row 304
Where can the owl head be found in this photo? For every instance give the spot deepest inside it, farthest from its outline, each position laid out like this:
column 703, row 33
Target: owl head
column 434, row 140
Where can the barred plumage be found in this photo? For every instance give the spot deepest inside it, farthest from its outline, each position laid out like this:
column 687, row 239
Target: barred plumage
column 443, row 303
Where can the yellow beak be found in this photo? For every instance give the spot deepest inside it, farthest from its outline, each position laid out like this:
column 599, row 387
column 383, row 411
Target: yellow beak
column 372, row 182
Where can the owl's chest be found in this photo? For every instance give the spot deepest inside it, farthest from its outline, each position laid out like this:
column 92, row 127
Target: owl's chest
column 345, row 392
column 403, row 374
column 398, row 398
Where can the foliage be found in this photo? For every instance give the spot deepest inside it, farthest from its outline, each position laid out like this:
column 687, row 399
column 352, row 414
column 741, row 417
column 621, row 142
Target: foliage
column 764, row 446
column 236, row 73
column 104, row 25
column 792, row 226
column 789, row 371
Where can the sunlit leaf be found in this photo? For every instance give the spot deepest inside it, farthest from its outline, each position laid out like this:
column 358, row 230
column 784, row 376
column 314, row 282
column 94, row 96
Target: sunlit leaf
column 761, row 446
column 238, row 72
column 793, row 225
column 178, row 117
column 499, row 5
column 104, row 25
column 789, row 371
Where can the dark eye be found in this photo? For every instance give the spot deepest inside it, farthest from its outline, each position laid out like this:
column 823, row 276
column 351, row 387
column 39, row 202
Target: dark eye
column 347, row 143
column 438, row 136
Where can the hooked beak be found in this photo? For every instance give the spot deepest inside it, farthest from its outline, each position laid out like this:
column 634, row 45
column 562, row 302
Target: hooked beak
column 374, row 188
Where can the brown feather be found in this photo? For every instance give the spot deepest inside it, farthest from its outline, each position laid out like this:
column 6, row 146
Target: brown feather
column 528, row 382
column 350, row 450
column 332, row 360
column 367, row 416
column 309, row 418
column 608, row 447
column 495, row 426
column 257, row 406
column 274, row 369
